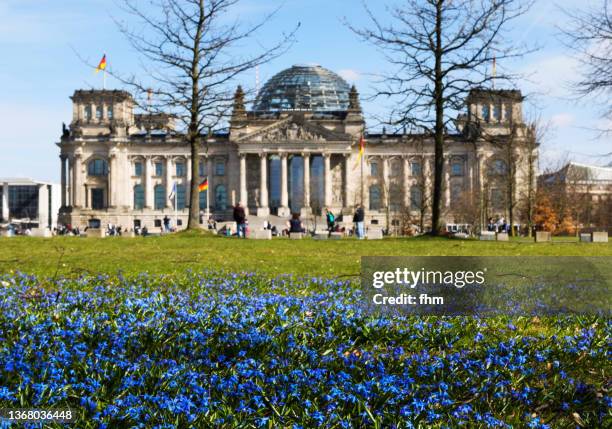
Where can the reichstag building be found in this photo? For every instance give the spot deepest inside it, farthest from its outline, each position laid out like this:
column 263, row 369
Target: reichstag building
column 295, row 150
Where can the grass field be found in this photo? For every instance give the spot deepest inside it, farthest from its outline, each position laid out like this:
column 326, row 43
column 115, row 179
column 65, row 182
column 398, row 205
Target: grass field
column 175, row 253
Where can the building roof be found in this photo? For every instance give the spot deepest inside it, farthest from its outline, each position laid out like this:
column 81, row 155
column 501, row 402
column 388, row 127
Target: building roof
column 22, row 181
column 304, row 88
column 489, row 94
column 580, row 172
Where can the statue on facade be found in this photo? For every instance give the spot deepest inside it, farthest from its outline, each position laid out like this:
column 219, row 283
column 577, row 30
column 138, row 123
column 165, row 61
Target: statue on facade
column 65, row 130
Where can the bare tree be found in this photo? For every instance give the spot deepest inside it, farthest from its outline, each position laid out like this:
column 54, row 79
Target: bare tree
column 590, row 37
column 191, row 59
column 440, row 49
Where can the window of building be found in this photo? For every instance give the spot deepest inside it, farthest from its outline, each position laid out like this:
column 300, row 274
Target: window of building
column 180, row 169
column 97, row 199
column 486, row 112
column 396, row 168
column 497, row 198
column 374, row 168
column 500, row 167
column 202, row 168
column 416, row 198
column 220, row 197
column 457, row 168
column 138, row 168
column 497, row 112
column 181, row 197
column 456, row 192
column 159, row 195
column 109, row 112
column 415, row 168
column 395, row 198
column 88, row 113
column 23, row 202
column 375, row 197
column 98, row 112
column 508, row 112
column 203, row 195
column 157, row 223
column 97, row 167
column 139, row 197
column 220, row 168
column 159, row 168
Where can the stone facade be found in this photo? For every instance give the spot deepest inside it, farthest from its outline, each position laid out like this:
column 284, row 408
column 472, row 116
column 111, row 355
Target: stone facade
column 120, row 167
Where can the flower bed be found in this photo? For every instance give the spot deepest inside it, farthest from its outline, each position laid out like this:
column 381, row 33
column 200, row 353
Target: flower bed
column 214, row 349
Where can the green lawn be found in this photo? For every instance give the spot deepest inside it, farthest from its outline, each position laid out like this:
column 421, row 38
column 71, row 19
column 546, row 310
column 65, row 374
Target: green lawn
column 175, row 253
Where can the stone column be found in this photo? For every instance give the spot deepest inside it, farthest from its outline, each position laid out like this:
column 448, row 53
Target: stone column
column 283, row 210
column 306, row 209
column 385, row 181
column 210, row 174
column 113, row 183
column 5, row 202
column 78, row 185
column 149, row 203
column 447, row 187
column 70, row 187
column 327, row 175
column 244, row 198
column 263, row 209
column 63, row 179
column 406, row 180
column 347, row 175
column 169, row 182
column 428, row 179
column 187, row 182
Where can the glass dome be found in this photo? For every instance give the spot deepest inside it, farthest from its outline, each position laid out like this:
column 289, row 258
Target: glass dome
column 303, row 87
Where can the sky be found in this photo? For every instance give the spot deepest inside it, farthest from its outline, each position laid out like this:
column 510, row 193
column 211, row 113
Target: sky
column 43, row 44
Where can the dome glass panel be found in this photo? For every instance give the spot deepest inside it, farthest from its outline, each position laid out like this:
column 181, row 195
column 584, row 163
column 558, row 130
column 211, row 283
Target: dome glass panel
column 304, row 88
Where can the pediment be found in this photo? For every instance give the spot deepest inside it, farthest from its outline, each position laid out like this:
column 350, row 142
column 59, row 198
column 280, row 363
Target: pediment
column 290, row 130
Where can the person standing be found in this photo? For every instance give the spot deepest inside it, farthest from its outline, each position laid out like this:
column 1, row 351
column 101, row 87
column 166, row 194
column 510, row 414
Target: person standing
column 358, row 219
column 331, row 220
column 240, row 219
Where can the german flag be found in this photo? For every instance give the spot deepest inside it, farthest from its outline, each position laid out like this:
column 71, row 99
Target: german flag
column 102, row 65
column 361, row 148
column 203, row 186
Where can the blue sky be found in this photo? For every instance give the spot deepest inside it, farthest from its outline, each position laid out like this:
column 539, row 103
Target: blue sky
column 39, row 70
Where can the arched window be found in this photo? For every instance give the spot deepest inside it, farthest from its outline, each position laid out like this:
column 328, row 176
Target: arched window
column 160, row 197
column 500, row 167
column 416, row 198
column 97, row 167
column 180, row 197
column 220, row 197
column 203, row 200
column 375, row 197
column 139, row 197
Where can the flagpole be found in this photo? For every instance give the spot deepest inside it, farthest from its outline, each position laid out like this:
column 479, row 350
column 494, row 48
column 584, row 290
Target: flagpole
column 207, row 208
column 104, row 79
column 176, row 208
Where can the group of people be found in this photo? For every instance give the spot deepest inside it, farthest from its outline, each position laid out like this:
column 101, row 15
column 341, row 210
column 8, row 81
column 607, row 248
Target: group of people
column 500, row 225
column 295, row 225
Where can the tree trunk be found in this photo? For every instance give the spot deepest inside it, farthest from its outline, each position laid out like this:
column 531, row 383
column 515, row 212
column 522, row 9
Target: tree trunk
column 439, row 127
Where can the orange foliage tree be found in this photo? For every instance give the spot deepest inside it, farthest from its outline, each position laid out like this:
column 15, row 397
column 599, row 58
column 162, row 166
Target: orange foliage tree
column 545, row 217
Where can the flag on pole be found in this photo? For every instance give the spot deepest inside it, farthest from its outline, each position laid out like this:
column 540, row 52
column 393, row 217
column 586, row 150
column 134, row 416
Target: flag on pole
column 173, row 192
column 203, row 186
column 361, row 148
column 102, row 64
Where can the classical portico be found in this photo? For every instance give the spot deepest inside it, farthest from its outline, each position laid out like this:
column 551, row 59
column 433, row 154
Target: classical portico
column 296, row 149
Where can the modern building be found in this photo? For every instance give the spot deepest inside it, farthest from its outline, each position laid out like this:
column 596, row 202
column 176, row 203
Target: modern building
column 295, row 150
column 29, row 202
column 582, row 191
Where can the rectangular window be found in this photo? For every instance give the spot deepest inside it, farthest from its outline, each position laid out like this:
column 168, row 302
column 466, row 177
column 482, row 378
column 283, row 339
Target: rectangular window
column 159, row 169
column 109, row 112
column 220, row 168
column 374, row 169
column 138, row 168
column 180, row 197
column 98, row 112
column 415, row 168
column 97, row 199
column 180, row 169
column 88, row 113
column 202, row 168
column 157, row 223
column 457, row 168
column 23, row 202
